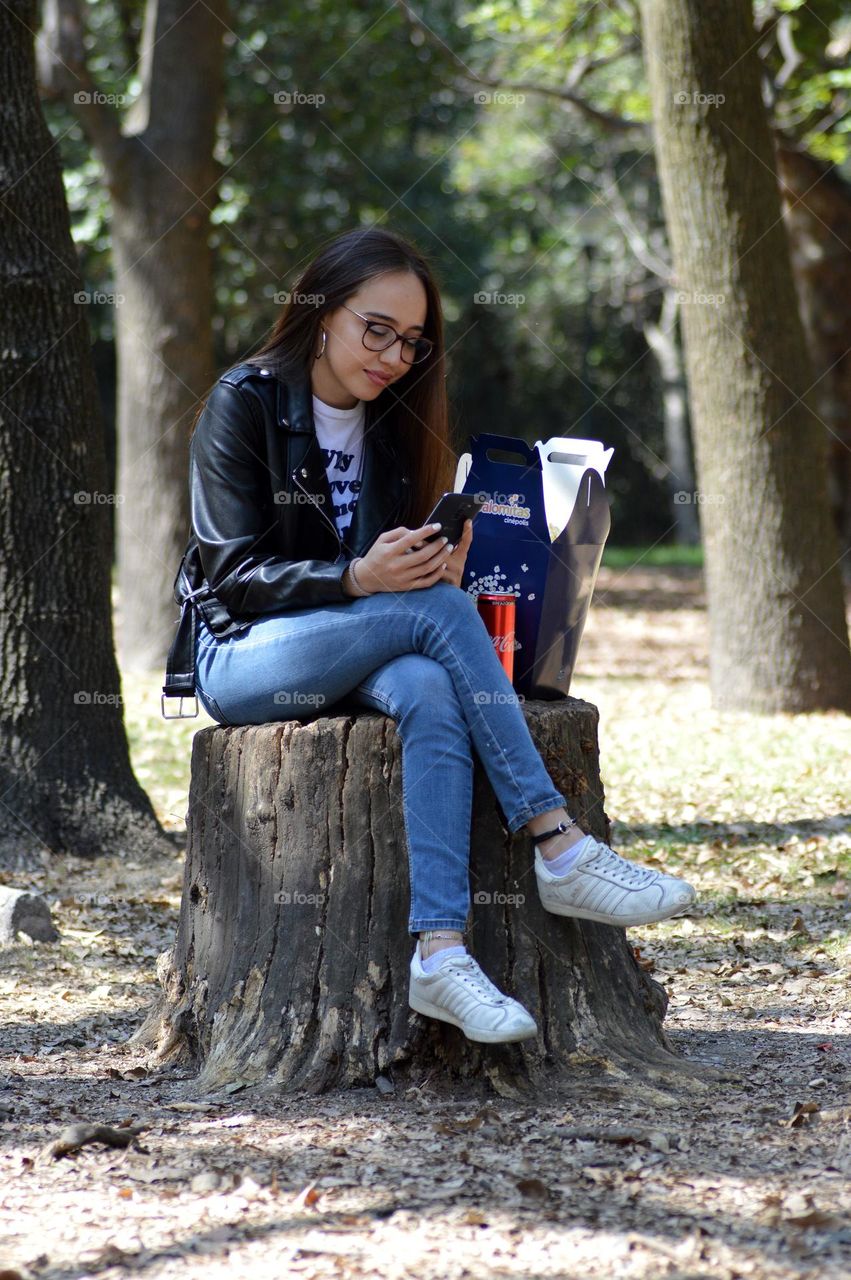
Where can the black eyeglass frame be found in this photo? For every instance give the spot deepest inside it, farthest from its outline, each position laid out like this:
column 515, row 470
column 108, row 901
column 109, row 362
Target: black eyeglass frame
column 382, row 324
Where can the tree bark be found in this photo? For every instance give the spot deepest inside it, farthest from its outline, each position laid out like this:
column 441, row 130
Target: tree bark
column 779, row 638
column 291, row 963
column 65, row 777
column 161, row 175
column 817, row 209
column 663, row 342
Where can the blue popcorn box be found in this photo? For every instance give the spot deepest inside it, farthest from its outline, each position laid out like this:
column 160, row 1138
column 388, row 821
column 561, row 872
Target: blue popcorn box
column 539, row 537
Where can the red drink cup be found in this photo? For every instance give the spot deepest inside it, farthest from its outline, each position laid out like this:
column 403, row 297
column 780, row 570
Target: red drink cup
column 498, row 614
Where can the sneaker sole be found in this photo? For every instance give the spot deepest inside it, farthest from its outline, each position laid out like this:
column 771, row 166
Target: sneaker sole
column 430, row 1010
column 623, row 922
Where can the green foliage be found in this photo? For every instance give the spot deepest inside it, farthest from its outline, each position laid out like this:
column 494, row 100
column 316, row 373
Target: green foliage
column 338, row 116
column 812, row 103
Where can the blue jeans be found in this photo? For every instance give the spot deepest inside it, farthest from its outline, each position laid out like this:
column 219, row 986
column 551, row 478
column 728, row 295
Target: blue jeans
column 424, row 658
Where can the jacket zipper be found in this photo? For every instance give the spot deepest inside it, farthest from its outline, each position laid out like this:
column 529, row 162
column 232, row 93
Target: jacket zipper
column 331, row 524
column 319, row 509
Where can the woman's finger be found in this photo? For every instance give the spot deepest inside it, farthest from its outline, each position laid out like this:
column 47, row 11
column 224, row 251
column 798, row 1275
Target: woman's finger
column 429, row 579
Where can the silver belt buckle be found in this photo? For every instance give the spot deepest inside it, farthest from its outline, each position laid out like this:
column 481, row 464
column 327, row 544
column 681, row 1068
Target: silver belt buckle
column 181, row 714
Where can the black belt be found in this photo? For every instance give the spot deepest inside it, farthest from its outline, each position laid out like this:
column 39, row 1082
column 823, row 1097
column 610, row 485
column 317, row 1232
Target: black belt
column 180, row 663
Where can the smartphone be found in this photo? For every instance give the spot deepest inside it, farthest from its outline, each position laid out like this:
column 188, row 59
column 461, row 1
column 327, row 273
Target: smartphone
column 452, row 510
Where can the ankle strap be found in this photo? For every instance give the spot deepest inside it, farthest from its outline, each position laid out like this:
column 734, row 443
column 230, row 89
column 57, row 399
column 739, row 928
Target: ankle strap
column 556, row 831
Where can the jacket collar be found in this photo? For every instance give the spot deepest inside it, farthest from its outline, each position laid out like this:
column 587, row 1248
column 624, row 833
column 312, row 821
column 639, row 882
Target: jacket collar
column 295, row 400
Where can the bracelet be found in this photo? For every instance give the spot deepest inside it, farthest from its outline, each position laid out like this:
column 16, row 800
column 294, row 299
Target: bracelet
column 556, row 831
column 353, row 579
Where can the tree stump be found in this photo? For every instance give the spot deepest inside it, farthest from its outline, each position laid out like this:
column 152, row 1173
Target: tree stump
column 291, row 960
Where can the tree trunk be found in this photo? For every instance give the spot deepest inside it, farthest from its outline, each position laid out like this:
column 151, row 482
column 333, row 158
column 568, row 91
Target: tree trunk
column 65, row 776
column 817, row 209
column 779, row 639
column 291, row 964
column 662, row 341
column 161, row 176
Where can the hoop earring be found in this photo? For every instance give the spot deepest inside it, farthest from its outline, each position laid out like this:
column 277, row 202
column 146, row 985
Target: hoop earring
column 324, row 343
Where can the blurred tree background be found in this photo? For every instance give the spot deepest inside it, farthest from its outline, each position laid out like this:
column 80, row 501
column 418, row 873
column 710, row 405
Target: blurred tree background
column 511, row 142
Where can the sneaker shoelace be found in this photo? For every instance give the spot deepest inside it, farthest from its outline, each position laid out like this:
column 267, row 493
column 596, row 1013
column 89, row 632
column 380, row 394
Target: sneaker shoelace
column 468, row 970
column 627, row 873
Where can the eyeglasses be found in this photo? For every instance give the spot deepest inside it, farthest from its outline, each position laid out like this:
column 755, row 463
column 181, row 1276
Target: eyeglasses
column 378, row 337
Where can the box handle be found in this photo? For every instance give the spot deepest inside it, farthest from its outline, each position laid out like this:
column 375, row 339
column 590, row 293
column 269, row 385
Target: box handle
column 527, row 455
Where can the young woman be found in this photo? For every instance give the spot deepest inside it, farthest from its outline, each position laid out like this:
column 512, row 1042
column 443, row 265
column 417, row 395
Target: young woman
column 314, row 466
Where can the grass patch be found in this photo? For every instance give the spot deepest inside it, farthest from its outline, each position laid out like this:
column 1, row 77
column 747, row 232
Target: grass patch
column 667, row 555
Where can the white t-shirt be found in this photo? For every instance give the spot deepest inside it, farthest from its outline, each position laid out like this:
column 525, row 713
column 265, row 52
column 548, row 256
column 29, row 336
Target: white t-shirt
column 339, row 433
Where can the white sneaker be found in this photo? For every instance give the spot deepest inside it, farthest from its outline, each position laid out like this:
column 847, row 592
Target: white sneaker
column 604, row 887
column 457, row 991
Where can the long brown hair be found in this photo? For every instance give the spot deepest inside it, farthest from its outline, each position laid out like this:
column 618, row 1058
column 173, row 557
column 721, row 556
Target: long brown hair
column 416, row 408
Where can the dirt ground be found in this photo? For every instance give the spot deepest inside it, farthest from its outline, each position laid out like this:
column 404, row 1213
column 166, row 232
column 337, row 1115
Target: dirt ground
column 746, row 1177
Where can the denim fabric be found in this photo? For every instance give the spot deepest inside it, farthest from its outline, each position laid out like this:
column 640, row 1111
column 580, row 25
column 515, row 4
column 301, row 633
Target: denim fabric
column 425, row 658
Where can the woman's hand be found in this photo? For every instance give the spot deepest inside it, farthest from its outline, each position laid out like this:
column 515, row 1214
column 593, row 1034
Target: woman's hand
column 400, row 560
column 454, row 571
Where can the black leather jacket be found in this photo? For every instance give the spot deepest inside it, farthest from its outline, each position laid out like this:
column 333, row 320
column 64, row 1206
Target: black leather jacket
column 263, row 535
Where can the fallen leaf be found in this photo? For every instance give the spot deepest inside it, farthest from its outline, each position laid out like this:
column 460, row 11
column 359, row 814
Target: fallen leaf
column 308, row 1196
column 533, row 1189
column 648, row 964
column 801, row 1113
column 814, row 1218
column 474, row 1218
column 462, row 1126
